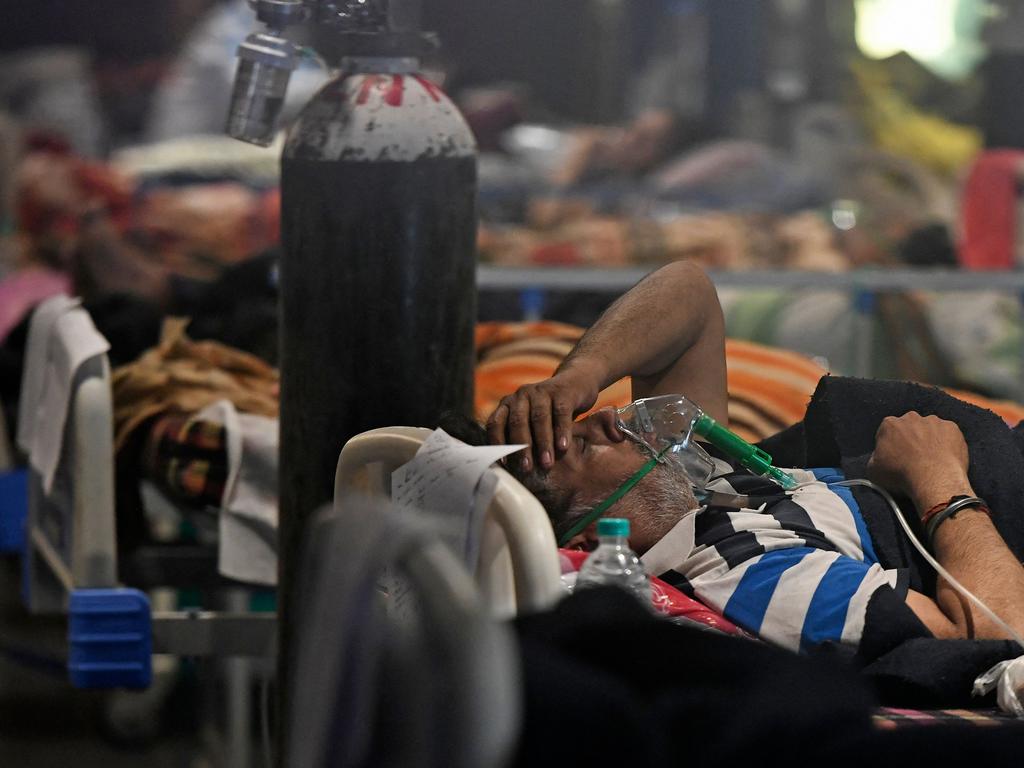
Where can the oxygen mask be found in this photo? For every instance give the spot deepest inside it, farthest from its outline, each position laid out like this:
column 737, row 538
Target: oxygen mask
column 669, row 425
column 665, row 426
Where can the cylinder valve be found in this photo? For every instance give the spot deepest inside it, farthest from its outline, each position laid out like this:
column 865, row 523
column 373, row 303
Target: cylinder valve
column 266, row 61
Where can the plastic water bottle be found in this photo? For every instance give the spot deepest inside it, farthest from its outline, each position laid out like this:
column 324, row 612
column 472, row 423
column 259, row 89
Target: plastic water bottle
column 613, row 562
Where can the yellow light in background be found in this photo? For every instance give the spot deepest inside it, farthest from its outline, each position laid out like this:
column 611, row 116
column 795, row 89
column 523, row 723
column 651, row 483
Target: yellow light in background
column 923, row 28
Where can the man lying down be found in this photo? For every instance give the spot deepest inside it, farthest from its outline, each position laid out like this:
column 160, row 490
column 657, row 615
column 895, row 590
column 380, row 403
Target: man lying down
column 797, row 567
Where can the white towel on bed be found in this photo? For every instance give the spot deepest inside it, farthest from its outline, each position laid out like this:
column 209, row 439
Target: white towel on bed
column 248, row 515
column 61, row 338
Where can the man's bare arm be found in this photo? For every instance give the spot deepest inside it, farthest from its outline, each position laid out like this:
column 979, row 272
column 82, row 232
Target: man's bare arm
column 668, row 333
column 926, row 458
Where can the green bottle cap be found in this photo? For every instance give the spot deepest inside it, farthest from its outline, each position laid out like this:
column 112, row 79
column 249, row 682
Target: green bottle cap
column 612, row 526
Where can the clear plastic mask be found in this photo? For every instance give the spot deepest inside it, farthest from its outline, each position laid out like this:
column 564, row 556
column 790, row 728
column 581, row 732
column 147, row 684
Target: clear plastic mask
column 665, row 425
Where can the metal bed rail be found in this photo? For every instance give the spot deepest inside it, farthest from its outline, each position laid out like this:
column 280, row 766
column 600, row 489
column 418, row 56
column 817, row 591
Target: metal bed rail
column 874, row 280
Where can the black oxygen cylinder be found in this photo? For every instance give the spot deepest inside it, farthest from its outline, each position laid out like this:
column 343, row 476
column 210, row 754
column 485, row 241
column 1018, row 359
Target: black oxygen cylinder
column 377, row 280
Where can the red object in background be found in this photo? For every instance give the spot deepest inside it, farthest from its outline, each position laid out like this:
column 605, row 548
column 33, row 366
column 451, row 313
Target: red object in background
column 989, row 211
column 44, row 141
column 56, row 188
column 268, row 225
column 559, row 254
column 99, row 183
column 667, row 600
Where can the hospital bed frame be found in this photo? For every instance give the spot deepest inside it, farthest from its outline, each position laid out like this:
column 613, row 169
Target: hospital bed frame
column 70, row 559
column 70, row 565
column 70, row 562
column 518, row 569
column 371, row 687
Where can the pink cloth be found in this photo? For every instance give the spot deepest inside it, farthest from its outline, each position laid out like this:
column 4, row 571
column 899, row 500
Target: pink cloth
column 21, row 291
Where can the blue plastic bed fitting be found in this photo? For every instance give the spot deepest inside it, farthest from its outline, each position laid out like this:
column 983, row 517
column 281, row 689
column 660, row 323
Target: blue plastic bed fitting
column 13, row 510
column 110, row 641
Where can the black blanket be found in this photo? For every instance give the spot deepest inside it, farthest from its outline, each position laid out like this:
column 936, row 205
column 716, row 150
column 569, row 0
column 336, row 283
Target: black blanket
column 607, row 683
column 907, row 665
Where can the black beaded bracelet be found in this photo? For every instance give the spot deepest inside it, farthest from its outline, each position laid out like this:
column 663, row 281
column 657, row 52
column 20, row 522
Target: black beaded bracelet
column 951, row 509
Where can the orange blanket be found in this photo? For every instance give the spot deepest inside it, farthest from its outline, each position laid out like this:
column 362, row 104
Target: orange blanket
column 768, row 388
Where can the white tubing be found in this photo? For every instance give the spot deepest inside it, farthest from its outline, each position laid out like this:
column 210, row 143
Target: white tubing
column 935, row 563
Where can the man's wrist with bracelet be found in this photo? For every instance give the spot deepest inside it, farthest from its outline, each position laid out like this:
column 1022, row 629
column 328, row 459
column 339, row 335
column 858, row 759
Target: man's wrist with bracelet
column 934, row 516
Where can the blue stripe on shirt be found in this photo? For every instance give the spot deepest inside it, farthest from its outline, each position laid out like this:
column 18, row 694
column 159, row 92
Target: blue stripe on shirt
column 830, row 476
column 826, row 614
column 749, row 601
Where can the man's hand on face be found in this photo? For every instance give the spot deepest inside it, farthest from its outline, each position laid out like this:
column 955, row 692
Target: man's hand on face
column 541, row 415
column 924, row 457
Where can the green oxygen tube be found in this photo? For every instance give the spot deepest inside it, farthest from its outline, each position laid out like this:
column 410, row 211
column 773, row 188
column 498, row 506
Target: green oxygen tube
column 754, row 459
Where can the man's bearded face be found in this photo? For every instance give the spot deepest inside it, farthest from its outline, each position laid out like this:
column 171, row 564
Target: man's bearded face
column 599, row 459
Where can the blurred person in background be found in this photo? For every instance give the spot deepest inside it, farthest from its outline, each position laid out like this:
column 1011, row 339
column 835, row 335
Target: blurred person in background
column 633, row 73
column 193, row 97
column 1002, row 118
column 107, row 74
column 696, row 70
column 85, row 73
column 665, row 92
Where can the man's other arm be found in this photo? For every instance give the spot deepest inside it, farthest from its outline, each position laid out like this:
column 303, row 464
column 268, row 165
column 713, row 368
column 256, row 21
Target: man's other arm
column 667, row 332
column 926, row 458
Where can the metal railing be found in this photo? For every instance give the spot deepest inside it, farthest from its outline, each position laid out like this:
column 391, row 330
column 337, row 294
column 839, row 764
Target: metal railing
column 862, row 285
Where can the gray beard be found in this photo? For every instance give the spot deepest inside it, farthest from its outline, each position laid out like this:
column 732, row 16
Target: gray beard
column 663, row 497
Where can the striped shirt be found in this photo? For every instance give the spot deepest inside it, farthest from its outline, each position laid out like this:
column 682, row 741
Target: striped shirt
column 797, row 567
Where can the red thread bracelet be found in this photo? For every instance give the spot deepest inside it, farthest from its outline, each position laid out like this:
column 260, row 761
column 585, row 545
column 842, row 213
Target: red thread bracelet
column 933, row 511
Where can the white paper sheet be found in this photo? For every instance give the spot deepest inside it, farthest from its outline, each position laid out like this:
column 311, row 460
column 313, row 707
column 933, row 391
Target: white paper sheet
column 443, row 481
column 449, row 484
column 61, row 338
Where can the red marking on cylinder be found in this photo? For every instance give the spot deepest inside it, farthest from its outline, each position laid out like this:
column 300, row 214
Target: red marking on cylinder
column 429, row 87
column 393, row 95
column 365, row 87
